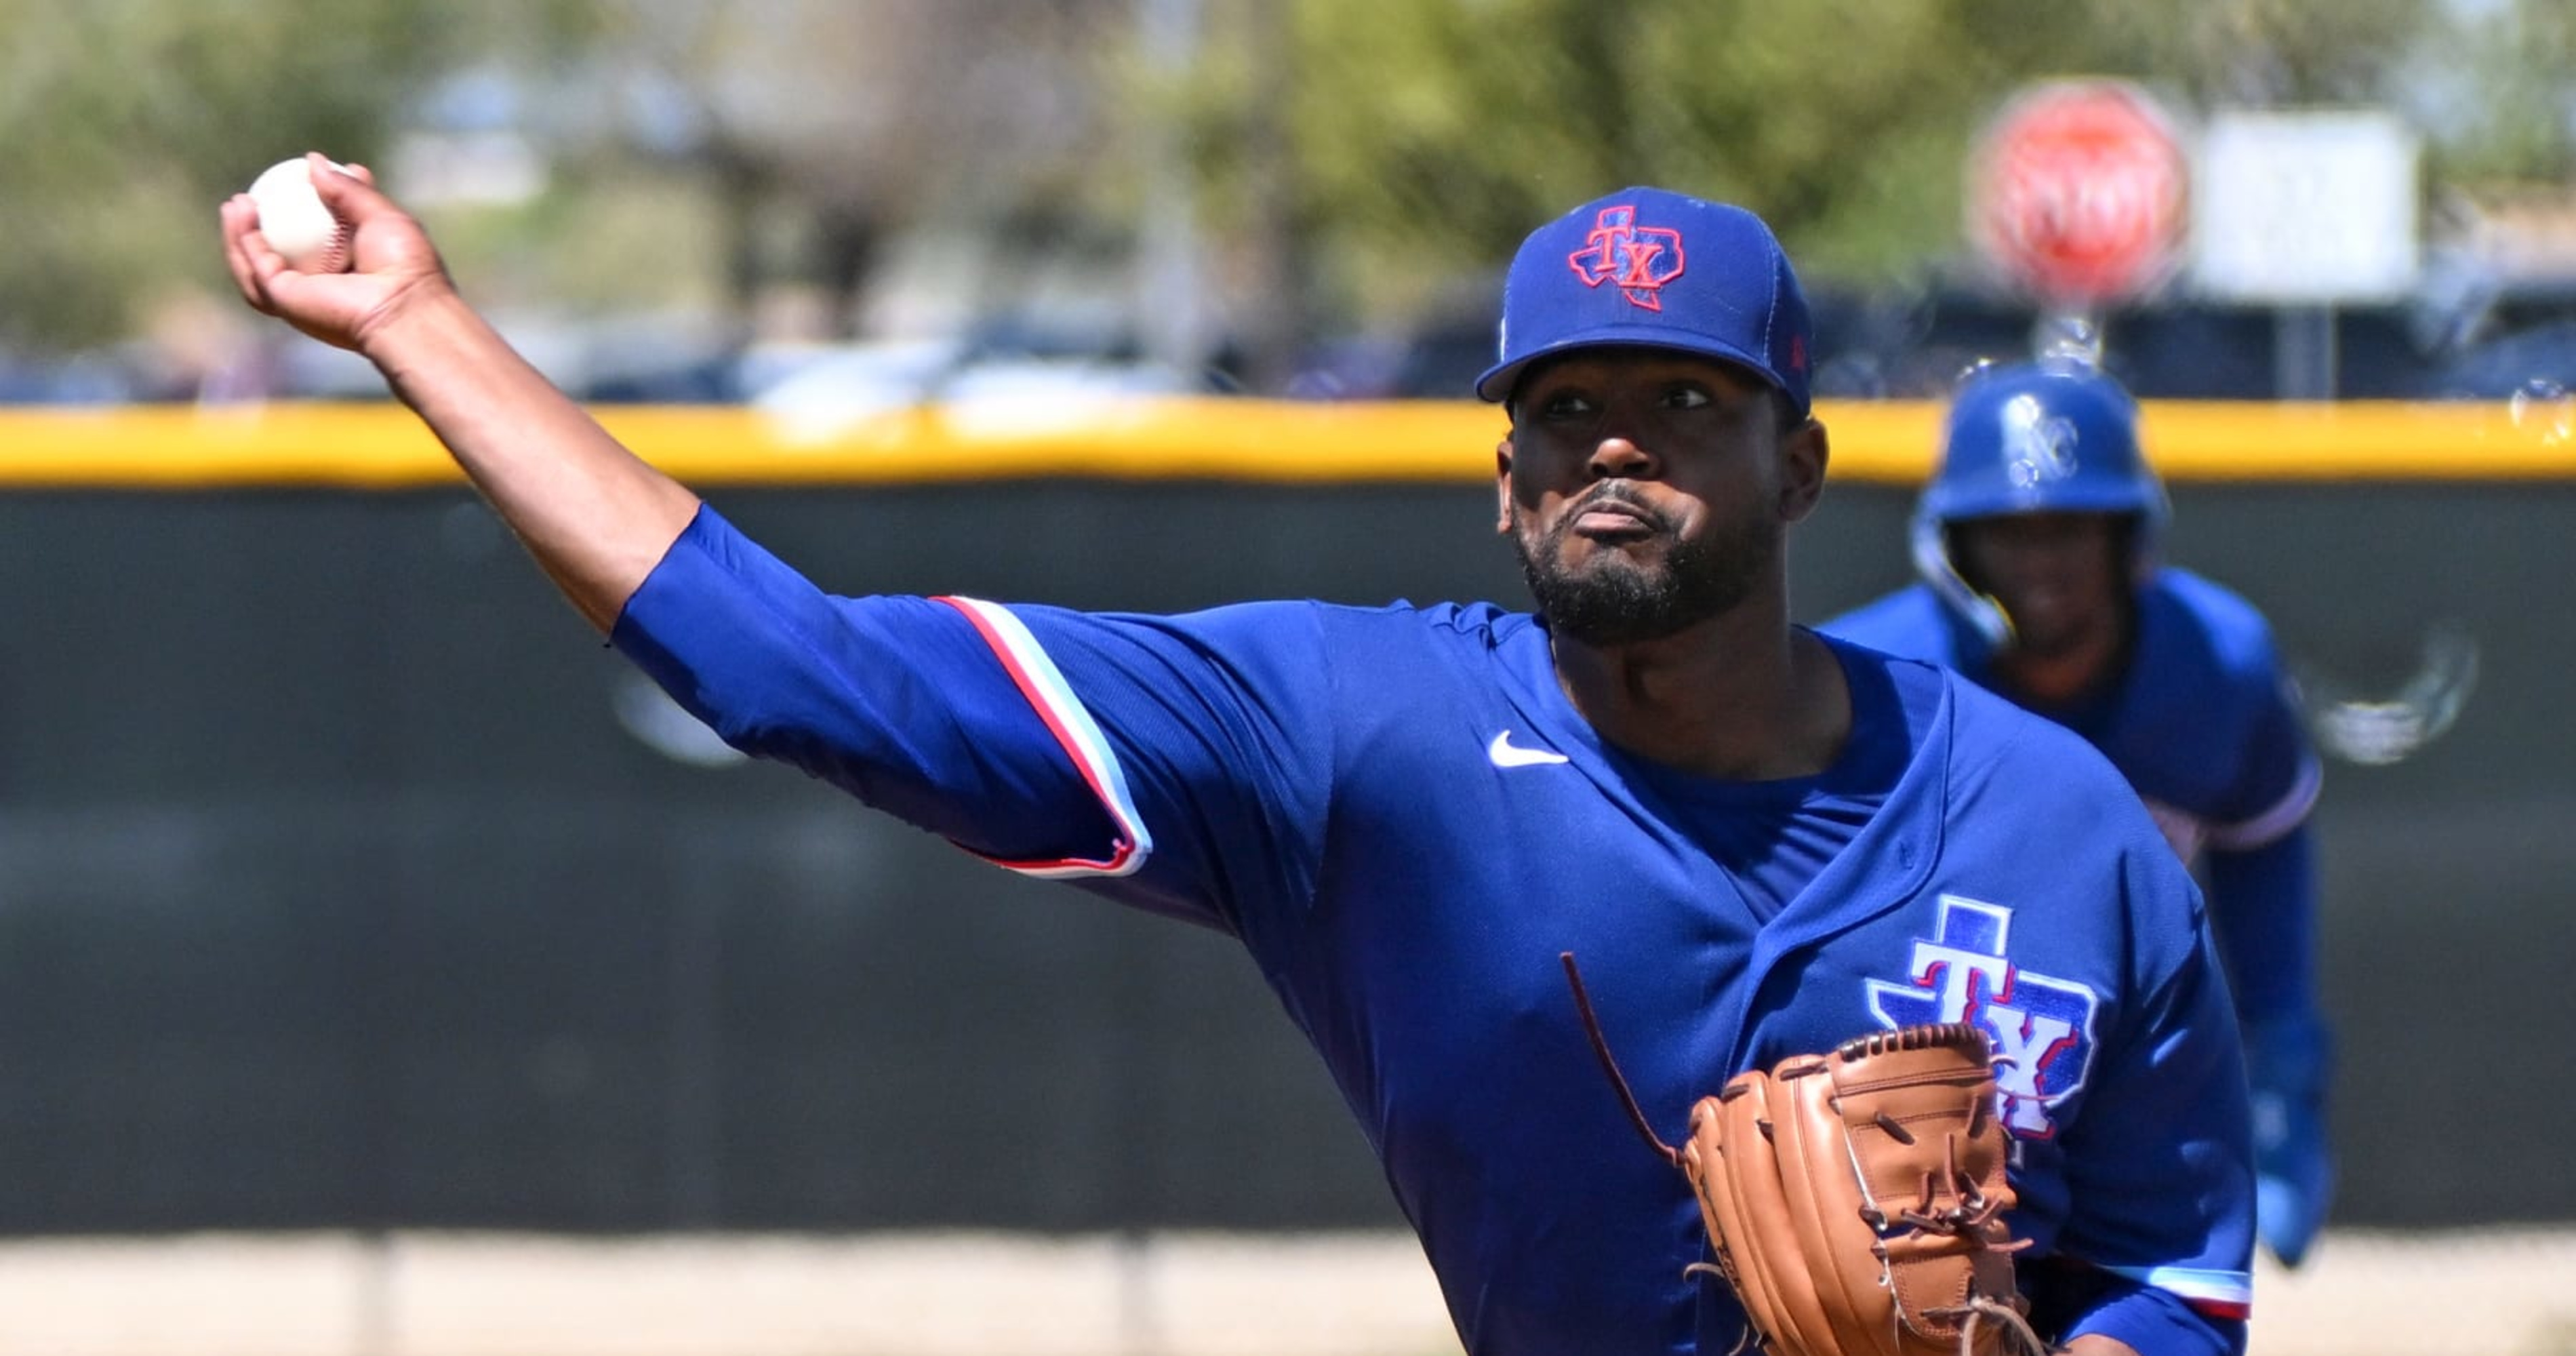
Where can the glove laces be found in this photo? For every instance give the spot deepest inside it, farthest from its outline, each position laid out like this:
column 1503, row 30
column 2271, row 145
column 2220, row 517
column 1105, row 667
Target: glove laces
column 1980, row 1312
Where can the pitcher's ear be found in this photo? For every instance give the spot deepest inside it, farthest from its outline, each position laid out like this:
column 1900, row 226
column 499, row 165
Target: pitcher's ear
column 1804, row 452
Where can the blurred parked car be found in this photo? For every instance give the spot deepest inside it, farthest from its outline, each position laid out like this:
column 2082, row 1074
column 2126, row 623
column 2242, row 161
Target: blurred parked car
column 2539, row 362
column 816, row 390
column 1915, row 343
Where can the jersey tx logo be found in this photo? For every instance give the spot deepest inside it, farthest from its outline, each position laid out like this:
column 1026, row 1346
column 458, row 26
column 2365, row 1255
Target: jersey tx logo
column 1640, row 259
column 2042, row 1028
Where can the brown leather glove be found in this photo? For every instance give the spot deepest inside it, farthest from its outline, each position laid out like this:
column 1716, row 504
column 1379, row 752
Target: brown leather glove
column 1855, row 1199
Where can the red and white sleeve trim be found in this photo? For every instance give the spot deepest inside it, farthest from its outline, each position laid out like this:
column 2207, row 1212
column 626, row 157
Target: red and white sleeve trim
column 2216, row 1294
column 2286, row 814
column 1074, row 730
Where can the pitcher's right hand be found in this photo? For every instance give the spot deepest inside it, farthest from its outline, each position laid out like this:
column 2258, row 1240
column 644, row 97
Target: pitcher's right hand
column 393, row 266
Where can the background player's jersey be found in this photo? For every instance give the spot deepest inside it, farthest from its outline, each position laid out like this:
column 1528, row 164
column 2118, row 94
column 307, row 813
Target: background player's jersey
column 2201, row 722
column 1405, row 822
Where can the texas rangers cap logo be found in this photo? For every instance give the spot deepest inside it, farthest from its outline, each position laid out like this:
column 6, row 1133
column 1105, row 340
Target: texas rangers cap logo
column 1638, row 259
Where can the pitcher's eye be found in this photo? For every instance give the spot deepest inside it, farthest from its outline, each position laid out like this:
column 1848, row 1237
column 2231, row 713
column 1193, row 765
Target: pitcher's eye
column 1687, row 396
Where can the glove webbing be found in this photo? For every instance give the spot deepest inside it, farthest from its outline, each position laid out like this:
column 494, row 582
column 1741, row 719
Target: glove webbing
column 1972, row 1212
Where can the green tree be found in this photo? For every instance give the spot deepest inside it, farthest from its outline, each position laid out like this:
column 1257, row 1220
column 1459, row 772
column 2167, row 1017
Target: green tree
column 821, row 132
column 2506, row 112
column 2275, row 52
column 1428, row 135
column 123, row 123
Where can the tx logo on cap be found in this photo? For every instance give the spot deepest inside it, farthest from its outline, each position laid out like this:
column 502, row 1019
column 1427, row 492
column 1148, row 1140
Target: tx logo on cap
column 1639, row 259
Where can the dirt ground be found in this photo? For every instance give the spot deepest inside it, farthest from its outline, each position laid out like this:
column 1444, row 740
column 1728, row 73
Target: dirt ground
column 2501, row 1293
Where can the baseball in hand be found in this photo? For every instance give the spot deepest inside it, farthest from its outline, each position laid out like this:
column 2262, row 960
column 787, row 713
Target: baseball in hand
column 294, row 221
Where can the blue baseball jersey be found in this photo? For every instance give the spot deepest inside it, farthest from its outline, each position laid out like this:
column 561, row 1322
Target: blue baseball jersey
column 2203, row 725
column 1404, row 821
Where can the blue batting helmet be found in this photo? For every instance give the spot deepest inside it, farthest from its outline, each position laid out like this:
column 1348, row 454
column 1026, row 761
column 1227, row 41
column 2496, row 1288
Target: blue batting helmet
column 2046, row 437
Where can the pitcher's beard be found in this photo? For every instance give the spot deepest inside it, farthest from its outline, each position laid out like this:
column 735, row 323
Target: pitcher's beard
column 1621, row 602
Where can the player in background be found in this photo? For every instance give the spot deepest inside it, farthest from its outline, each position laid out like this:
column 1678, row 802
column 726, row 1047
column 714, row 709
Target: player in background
column 2038, row 542
column 1758, row 842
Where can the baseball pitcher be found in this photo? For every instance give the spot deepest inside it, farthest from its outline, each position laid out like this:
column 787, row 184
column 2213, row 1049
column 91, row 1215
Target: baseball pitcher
column 1763, row 845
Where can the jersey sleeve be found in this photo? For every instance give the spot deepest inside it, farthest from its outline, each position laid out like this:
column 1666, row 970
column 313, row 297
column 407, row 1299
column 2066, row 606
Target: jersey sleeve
column 2279, row 774
column 2263, row 904
column 1148, row 757
column 2259, row 859
column 2159, row 1165
column 1221, row 727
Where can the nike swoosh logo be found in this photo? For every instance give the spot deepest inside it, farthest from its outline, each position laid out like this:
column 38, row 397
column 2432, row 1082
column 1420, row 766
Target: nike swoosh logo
column 1505, row 753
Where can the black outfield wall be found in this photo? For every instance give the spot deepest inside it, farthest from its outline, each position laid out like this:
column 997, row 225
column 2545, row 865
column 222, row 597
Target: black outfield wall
column 346, row 880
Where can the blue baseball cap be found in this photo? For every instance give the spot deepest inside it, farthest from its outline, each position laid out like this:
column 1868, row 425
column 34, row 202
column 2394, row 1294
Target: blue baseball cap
column 1658, row 268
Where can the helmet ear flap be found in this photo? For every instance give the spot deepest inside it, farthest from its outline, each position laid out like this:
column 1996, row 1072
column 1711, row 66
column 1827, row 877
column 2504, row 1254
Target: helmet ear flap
column 2140, row 544
column 1930, row 541
column 2146, row 544
column 2035, row 437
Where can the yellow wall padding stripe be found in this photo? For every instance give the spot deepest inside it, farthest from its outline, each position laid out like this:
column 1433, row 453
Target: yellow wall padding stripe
column 381, row 446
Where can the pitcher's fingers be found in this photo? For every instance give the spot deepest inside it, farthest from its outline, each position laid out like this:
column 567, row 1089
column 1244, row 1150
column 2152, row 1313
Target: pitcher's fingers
column 348, row 190
column 240, row 220
column 264, row 261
